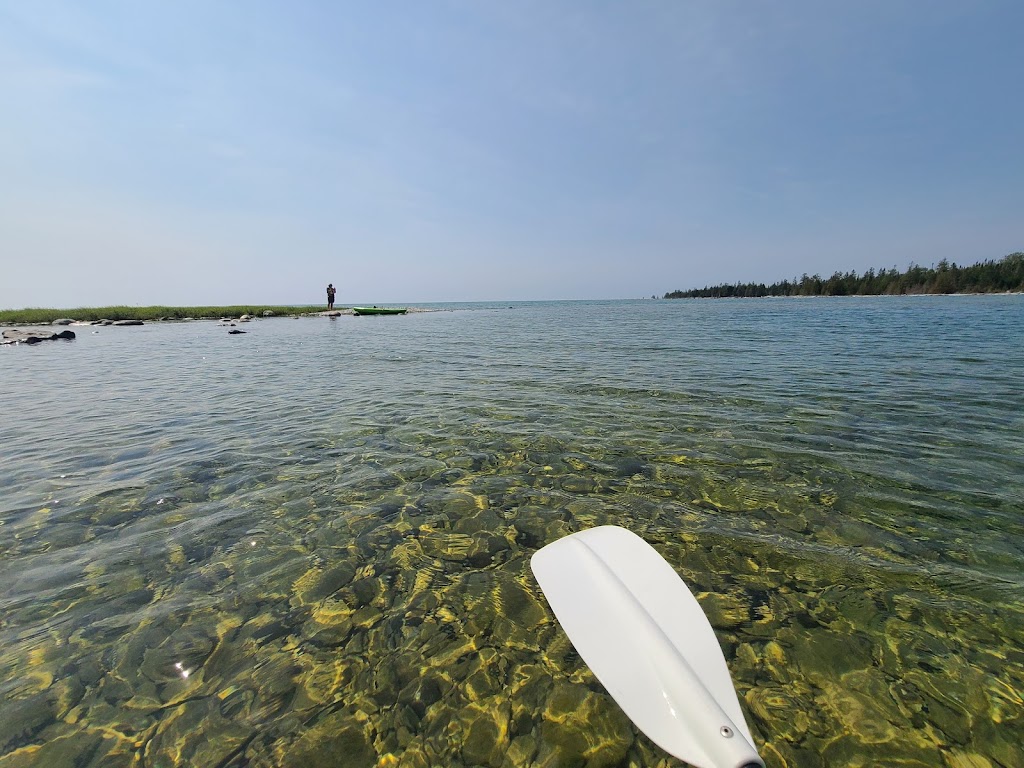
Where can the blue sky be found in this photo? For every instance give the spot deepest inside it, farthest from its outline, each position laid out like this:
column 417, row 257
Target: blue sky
column 218, row 153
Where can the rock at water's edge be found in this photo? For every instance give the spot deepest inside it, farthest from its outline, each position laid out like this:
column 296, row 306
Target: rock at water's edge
column 128, row 322
column 62, row 321
column 14, row 336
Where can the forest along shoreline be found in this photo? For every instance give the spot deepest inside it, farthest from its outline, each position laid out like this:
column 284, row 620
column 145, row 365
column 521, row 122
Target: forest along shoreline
column 1005, row 275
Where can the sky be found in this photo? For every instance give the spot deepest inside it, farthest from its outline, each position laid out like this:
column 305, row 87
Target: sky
column 203, row 152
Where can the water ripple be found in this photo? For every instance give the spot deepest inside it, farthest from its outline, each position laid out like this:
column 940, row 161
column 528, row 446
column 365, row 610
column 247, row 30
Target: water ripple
column 261, row 550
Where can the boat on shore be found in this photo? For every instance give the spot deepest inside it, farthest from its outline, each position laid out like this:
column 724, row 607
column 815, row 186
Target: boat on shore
column 380, row 310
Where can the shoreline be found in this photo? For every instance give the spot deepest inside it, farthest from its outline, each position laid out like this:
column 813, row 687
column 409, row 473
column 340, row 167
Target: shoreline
column 115, row 314
column 36, row 316
column 14, row 333
column 847, row 296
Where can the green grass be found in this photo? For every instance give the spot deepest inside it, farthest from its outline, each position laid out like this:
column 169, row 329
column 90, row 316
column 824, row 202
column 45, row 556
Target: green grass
column 40, row 315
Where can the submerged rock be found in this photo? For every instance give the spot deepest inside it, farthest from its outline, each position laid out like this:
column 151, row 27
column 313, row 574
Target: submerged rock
column 485, row 728
column 338, row 738
column 14, row 336
column 577, row 722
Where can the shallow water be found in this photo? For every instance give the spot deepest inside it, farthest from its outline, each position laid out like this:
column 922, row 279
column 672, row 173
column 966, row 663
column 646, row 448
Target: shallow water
column 309, row 544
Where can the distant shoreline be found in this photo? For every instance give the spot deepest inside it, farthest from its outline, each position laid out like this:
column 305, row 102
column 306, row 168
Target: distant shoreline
column 108, row 315
column 854, row 296
column 1005, row 275
column 44, row 316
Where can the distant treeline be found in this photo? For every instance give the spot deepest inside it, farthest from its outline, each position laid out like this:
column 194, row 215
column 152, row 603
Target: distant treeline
column 1006, row 274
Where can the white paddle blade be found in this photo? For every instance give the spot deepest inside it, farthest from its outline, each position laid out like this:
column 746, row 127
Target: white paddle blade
column 644, row 635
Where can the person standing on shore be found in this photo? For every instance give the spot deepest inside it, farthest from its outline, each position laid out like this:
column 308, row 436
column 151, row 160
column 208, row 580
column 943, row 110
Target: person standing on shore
column 330, row 296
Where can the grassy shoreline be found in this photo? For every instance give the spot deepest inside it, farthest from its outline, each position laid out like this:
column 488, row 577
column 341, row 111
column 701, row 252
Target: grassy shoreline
column 38, row 315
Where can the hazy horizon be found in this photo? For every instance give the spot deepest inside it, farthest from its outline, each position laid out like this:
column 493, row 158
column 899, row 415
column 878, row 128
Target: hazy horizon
column 198, row 154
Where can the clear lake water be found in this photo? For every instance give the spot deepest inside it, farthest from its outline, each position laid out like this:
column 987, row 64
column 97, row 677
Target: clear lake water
column 309, row 545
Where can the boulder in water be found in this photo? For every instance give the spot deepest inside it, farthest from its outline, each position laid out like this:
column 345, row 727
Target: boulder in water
column 14, row 336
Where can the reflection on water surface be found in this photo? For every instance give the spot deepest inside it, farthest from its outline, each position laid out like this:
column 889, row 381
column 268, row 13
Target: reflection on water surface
column 309, row 545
